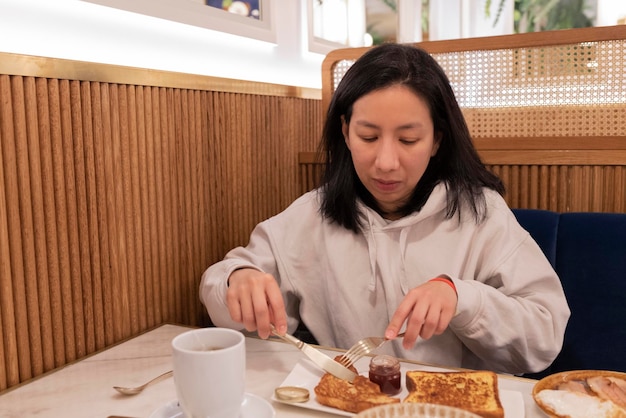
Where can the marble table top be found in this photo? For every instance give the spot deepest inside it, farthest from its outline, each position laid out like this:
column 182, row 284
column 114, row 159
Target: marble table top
column 85, row 388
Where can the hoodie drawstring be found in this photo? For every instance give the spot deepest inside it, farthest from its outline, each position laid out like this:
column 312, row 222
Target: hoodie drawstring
column 373, row 254
column 404, row 285
column 371, row 246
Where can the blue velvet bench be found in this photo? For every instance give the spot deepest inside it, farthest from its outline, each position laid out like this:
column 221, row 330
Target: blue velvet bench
column 588, row 251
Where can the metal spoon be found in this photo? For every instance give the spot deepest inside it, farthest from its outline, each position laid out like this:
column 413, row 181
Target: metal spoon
column 138, row 389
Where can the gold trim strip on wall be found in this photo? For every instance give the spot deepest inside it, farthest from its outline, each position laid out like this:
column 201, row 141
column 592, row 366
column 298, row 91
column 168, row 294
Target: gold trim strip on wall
column 34, row 66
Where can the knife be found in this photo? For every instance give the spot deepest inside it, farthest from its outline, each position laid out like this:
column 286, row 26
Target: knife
column 322, row 360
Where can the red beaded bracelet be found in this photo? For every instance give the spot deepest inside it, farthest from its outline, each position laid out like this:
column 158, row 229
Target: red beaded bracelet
column 444, row 280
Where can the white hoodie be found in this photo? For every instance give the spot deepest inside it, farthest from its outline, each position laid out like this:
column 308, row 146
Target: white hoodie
column 511, row 311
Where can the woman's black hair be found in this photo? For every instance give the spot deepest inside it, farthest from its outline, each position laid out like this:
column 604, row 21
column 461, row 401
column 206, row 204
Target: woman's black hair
column 456, row 163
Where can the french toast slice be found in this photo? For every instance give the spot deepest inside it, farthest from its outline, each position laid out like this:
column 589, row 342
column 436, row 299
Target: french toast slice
column 354, row 397
column 473, row 391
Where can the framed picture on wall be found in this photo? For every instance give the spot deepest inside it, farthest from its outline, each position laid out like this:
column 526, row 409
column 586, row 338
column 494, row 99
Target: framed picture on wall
column 248, row 8
column 249, row 18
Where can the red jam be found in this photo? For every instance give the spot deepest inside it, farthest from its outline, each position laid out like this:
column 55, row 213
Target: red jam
column 385, row 372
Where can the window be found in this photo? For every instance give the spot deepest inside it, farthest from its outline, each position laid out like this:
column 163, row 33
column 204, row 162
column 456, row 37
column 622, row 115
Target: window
column 335, row 24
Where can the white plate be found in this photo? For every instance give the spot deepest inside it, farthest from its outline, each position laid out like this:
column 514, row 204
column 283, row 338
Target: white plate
column 252, row 407
column 306, row 375
column 415, row 410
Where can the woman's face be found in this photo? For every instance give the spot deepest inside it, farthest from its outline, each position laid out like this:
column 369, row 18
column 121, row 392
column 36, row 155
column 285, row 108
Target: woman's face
column 391, row 138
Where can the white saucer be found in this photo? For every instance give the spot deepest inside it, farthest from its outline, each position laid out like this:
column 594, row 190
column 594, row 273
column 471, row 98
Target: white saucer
column 252, row 407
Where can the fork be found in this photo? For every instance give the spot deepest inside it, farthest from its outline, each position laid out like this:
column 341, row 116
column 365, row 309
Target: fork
column 362, row 348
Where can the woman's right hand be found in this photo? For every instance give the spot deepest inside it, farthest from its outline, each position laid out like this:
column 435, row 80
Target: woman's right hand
column 255, row 300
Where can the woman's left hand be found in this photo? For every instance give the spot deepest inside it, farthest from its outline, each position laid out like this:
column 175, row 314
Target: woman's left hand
column 427, row 310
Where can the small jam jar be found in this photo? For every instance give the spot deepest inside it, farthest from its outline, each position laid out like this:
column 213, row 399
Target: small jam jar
column 385, row 371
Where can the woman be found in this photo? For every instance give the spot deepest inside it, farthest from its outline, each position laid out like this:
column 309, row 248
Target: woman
column 407, row 231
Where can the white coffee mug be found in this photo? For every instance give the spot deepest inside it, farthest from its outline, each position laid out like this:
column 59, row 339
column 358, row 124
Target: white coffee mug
column 209, row 372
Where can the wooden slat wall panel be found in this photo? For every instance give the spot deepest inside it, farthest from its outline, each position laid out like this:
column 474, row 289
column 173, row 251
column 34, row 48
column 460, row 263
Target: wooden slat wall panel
column 9, row 369
column 565, row 188
column 114, row 198
column 559, row 187
column 311, row 166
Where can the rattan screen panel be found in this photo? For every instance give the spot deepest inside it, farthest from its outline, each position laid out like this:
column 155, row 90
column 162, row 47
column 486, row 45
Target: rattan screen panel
column 537, row 91
column 548, row 121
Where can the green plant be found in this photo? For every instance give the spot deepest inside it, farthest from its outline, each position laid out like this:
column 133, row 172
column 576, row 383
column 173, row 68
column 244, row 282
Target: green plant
column 539, row 15
column 392, row 4
column 425, row 9
column 487, row 10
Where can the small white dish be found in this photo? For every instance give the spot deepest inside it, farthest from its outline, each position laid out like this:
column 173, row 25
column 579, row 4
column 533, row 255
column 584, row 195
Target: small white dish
column 253, row 407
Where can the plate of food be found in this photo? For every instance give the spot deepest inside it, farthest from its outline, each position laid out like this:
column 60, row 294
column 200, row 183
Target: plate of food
column 582, row 393
column 342, row 398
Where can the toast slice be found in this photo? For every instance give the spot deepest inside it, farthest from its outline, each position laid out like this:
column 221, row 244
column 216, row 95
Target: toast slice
column 354, row 397
column 474, row 391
